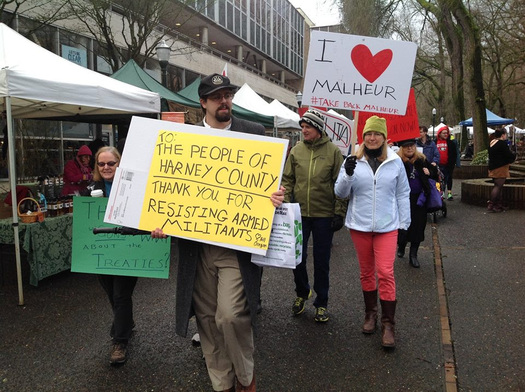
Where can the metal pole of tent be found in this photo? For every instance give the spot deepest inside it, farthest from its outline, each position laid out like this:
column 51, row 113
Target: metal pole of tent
column 12, row 180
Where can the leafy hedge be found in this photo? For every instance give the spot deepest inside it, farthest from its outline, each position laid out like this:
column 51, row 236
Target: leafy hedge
column 481, row 158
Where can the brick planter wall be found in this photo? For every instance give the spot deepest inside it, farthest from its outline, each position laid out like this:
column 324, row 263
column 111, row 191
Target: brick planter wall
column 467, row 171
column 477, row 192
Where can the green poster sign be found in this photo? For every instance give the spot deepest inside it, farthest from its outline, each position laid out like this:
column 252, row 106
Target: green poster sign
column 114, row 254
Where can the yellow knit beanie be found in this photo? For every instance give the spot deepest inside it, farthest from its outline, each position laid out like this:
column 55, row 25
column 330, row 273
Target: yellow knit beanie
column 375, row 124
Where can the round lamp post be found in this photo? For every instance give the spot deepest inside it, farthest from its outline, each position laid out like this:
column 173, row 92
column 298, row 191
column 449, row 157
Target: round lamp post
column 434, row 111
column 163, row 54
column 299, row 98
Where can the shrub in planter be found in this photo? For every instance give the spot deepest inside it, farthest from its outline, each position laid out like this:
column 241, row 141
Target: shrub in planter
column 481, row 158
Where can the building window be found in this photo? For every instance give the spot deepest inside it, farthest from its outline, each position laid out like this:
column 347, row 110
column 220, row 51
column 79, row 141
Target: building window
column 222, row 12
column 229, row 16
column 237, row 29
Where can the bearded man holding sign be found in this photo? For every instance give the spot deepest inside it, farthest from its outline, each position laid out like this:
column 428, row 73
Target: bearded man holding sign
column 221, row 286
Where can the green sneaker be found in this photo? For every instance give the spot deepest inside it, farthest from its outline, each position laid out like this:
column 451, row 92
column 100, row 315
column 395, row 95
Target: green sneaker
column 321, row 315
column 299, row 303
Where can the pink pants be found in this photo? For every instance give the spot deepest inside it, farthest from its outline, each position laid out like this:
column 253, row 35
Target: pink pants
column 376, row 253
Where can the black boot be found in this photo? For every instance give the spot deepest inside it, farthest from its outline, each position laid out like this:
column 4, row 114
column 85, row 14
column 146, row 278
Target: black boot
column 412, row 258
column 401, row 242
column 388, row 312
column 401, row 249
column 370, row 324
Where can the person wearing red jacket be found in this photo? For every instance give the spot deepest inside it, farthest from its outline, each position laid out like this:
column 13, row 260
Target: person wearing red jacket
column 77, row 172
column 447, row 157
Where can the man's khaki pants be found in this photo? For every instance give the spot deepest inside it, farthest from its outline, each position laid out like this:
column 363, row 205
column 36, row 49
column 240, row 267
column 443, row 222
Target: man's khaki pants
column 223, row 318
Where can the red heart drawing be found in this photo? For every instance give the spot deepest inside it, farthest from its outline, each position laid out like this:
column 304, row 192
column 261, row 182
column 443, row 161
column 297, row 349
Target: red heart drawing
column 371, row 67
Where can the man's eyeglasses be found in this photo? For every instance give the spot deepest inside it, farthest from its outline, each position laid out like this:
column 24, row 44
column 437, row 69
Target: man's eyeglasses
column 217, row 97
column 110, row 164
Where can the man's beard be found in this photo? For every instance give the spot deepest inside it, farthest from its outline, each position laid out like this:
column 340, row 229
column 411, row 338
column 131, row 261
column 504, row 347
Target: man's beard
column 223, row 117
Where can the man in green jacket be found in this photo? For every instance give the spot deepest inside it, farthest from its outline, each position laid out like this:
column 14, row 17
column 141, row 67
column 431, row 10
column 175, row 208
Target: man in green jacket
column 309, row 177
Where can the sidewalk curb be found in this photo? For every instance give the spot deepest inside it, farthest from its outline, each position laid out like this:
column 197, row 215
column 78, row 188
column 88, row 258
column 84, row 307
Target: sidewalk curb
column 446, row 339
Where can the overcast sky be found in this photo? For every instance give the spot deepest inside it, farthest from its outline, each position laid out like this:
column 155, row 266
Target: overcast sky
column 321, row 12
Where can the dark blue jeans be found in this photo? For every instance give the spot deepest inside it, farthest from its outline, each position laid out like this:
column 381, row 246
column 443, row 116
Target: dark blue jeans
column 322, row 234
column 119, row 290
column 447, row 174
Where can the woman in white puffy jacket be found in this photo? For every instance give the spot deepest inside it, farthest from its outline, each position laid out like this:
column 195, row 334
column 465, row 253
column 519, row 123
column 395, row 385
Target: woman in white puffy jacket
column 376, row 185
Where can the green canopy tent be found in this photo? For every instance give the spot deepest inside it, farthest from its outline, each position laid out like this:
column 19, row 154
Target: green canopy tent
column 191, row 92
column 132, row 74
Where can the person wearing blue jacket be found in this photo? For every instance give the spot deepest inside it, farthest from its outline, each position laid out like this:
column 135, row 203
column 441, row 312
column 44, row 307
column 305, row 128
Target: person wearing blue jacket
column 379, row 204
column 429, row 147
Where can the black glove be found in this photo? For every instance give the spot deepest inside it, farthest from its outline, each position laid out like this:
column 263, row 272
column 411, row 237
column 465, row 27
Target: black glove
column 350, row 163
column 337, row 222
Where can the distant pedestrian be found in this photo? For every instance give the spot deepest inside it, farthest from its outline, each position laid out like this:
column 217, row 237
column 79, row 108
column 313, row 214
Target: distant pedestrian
column 377, row 185
column 500, row 158
column 77, row 172
column 309, row 176
column 418, row 170
column 448, row 155
column 429, row 147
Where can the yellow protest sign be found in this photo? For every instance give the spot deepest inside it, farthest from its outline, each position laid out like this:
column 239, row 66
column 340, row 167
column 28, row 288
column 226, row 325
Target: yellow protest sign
column 198, row 183
column 212, row 187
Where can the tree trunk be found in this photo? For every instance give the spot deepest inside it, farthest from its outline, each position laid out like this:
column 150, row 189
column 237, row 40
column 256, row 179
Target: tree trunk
column 474, row 73
column 464, row 48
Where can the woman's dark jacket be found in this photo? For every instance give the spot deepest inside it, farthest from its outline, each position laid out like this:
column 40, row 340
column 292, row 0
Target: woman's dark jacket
column 418, row 215
column 500, row 155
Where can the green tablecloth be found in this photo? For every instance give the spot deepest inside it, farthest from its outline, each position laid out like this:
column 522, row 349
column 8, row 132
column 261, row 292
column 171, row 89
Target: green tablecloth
column 48, row 244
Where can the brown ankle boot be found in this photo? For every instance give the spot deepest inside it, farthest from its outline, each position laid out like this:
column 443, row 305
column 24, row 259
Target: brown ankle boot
column 370, row 324
column 388, row 311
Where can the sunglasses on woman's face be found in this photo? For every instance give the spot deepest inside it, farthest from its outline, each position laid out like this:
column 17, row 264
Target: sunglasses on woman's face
column 110, row 164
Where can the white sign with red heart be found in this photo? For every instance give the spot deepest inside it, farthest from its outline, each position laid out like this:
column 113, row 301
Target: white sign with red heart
column 358, row 73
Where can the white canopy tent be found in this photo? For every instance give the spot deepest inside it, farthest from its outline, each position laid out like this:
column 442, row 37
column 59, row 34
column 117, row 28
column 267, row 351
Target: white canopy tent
column 470, row 130
column 515, row 129
column 35, row 83
column 284, row 112
column 247, row 98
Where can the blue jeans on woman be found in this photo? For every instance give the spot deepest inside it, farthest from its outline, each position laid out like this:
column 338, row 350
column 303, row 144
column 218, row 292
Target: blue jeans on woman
column 322, row 234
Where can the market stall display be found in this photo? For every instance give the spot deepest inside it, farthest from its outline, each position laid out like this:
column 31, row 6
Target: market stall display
column 47, row 243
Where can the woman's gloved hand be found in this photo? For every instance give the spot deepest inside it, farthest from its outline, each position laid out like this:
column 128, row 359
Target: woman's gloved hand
column 337, row 222
column 350, row 164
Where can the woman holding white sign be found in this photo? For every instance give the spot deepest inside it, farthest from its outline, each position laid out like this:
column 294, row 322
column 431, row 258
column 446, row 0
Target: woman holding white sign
column 119, row 289
column 377, row 185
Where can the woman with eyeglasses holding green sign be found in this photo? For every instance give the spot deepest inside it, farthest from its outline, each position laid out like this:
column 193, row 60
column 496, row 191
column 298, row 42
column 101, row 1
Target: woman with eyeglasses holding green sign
column 118, row 288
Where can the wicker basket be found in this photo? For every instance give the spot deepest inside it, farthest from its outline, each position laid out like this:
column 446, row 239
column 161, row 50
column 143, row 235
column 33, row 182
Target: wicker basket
column 36, row 216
